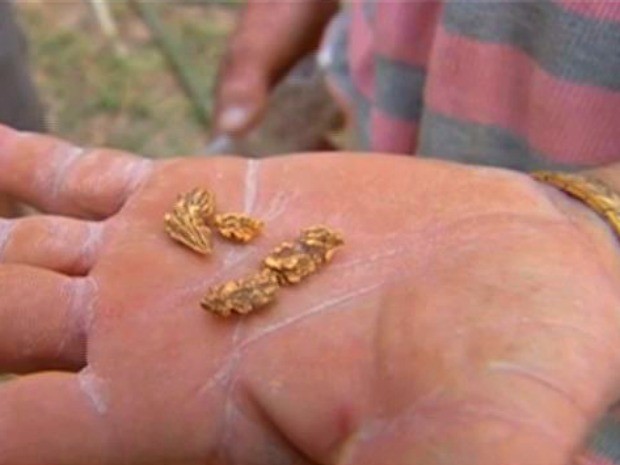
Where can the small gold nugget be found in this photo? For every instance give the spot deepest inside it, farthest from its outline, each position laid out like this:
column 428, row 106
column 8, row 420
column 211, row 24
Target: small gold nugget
column 290, row 262
column 242, row 296
column 198, row 202
column 238, row 227
column 294, row 261
column 187, row 222
column 321, row 242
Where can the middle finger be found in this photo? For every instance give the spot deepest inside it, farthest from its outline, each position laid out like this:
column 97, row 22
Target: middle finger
column 60, row 244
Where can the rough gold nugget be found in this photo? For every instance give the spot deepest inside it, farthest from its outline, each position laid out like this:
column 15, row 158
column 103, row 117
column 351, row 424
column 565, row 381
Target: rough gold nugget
column 187, row 222
column 290, row 263
column 242, row 296
column 238, row 227
column 321, row 242
column 198, row 202
column 294, row 261
column 287, row 264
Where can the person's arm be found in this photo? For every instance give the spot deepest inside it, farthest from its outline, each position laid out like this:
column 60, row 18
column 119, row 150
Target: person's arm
column 270, row 37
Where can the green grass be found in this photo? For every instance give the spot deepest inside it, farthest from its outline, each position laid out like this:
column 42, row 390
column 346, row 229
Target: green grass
column 95, row 96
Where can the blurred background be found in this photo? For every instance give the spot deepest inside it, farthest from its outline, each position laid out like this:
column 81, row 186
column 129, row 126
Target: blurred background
column 134, row 75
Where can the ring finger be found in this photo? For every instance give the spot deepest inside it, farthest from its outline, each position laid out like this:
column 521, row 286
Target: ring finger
column 60, row 244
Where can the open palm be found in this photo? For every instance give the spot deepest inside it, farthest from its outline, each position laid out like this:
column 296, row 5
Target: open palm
column 467, row 320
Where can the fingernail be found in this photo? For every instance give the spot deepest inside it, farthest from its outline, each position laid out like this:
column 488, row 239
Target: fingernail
column 234, row 118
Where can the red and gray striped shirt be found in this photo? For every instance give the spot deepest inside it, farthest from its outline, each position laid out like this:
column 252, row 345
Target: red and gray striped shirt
column 519, row 84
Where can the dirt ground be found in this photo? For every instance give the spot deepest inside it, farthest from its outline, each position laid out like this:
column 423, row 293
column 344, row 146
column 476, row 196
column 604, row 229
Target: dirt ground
column 125, row 94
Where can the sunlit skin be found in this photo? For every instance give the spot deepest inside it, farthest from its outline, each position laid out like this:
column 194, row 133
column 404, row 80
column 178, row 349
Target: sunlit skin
column 471, row 317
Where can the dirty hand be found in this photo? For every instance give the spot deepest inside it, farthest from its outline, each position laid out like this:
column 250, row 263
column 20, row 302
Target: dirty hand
column 270, row 38
column 471, row 318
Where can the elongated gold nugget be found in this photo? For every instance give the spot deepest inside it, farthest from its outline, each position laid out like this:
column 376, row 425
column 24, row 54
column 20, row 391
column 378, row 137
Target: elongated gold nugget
column 238, row 227
column 294, row 261
column 288, row 264
column 191, row 232
column 243, row 295
column 187, row 223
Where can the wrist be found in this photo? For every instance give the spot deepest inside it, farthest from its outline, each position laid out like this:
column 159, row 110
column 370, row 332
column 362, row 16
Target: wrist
column 608, row 175
column 587, row 219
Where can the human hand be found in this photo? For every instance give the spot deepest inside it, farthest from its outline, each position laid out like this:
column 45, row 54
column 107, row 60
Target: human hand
column 270, row 38
column 471, row 317
column 8, row 208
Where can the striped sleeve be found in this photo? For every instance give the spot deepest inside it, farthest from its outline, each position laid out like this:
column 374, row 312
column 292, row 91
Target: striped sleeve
column 519, row 84
column 603, row 446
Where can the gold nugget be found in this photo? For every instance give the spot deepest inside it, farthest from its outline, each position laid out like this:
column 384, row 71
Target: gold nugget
column 242, row 296
column 198, row 202
column 294, row 261
column 189, row 231
column 238, row 227
column 187, row 222
column 290, row 262
column 321, row 242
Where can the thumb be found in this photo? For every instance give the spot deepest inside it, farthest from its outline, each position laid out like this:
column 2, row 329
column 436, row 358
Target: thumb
column 241, row 99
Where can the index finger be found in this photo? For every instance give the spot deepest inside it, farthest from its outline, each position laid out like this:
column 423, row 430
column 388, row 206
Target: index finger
column 55, row 176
